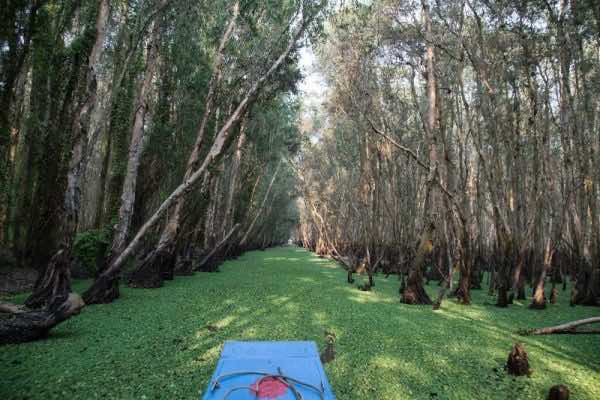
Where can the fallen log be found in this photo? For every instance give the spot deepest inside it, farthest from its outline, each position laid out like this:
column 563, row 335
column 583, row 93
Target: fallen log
column 566, row 328
column 18, row 324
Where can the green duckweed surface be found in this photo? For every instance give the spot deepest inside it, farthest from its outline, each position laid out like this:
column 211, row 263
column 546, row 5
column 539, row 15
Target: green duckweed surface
column 164, row 343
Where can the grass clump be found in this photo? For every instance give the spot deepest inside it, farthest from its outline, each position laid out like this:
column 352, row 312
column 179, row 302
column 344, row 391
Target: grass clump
column 165, row 343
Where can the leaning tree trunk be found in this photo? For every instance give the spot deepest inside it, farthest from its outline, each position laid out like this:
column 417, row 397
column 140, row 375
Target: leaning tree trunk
column 207, row 259
column 518, row 283
column 136, row 149
column 18, row 51
column 120, row 71
column 234, row 178
column 97, row 293
column 211, row 214
column 56, row 280
column 155, row 266
column 261, row 208
column 539, row 296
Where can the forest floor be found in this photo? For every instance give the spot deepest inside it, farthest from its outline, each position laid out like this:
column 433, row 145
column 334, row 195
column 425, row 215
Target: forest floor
column 165, row 343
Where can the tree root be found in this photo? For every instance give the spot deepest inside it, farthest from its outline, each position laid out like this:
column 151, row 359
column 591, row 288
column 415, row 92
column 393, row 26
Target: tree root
column 24, row 325
column 104, row 290
column 54, row 283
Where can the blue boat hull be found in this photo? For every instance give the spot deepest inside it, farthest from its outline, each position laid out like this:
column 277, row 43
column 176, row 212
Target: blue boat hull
column 242, row 364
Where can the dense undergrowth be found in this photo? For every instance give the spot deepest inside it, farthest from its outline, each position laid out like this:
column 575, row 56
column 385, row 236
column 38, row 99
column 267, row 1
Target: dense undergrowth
column 165, row 343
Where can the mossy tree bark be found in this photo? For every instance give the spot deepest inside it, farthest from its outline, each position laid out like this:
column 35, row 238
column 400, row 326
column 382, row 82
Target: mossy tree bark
column 136, row 148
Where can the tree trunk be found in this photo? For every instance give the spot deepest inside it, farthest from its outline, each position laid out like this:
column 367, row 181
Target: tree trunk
column 214, row 203
column 437, row 304
column 539, row 297
column 136, row 149
column 55, row 281
column 104, row 290
column 492, row 286
column 505, row 254
column 464, row 286
column 414, row 292
column 215, row 249
column 233, row 184
column 502, row 296
column 521, row 295
column 587, row 286
column 517, row 278
column 262, row 206
column 128, row 44
column 156, row 265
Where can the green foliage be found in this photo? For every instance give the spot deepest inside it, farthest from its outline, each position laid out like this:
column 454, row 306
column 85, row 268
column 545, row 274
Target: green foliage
column 91, row 245
column 155, row 343
column 274, row 125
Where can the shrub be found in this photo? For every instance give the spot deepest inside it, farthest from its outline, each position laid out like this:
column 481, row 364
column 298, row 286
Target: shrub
column 90, row 246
